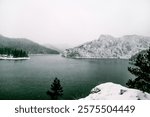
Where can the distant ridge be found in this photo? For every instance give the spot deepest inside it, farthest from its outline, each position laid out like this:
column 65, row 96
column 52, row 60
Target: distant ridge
column 59, row 47
column 26, row 45
column 107, row 46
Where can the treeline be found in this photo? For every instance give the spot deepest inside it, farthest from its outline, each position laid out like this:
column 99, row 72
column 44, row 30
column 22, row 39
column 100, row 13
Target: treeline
column 13, row 52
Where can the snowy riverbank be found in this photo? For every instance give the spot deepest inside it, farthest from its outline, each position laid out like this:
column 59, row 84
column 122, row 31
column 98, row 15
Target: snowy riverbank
column 111, row 91
column 12, row 58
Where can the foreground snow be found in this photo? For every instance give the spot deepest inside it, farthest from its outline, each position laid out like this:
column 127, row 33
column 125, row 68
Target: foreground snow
column 111, row 91
column 11, row 58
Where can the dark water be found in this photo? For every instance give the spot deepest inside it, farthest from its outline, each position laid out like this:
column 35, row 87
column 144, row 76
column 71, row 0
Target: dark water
column 30, row 79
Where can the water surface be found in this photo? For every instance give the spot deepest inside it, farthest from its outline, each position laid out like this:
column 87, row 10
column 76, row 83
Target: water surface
column 30, row 79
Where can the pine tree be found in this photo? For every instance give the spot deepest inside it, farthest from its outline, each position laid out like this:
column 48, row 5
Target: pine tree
column 13, row 52
column 56, row 90
column 141, row 70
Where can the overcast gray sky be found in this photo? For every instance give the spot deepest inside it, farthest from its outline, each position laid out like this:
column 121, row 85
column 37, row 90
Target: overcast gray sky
column 73, row 21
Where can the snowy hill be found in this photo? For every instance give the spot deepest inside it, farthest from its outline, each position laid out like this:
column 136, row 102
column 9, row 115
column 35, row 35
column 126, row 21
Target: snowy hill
column 111, row 91
column 110, row 47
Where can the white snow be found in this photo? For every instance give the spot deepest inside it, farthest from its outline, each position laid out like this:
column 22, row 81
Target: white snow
column 11, row 58
column 111, row 91
column 110, row 47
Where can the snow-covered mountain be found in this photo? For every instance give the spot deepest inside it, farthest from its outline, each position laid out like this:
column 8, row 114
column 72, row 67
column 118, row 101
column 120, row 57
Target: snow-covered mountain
column 111, row 91
column 110, row 47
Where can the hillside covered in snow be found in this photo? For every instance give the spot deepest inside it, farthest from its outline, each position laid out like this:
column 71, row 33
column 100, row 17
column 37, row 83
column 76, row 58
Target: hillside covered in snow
column 111, row 91
column 110, row 47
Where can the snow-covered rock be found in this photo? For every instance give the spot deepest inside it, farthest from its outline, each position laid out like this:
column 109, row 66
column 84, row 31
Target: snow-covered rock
column 109, row 47
column 111, row 91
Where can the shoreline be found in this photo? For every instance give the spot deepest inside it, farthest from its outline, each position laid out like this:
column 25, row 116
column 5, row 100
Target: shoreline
column 123, row 58
column 18, row 58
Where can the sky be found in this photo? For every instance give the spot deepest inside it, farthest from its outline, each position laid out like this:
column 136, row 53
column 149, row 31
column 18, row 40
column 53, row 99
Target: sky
column 73, row 22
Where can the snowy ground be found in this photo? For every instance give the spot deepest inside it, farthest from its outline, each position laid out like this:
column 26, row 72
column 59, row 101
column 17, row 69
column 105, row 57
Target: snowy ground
column 18, row 58
column 111, row 91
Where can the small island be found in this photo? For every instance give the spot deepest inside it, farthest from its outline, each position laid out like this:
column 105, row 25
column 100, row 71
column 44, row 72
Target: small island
column 13, row 54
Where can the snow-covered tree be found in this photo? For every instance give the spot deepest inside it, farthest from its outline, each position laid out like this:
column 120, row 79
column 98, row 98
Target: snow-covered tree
column 141, row 70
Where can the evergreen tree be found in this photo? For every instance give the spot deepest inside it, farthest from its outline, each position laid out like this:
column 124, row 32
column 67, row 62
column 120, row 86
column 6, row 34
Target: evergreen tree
column 56, row 90
column 141, row 70
column 13, row 52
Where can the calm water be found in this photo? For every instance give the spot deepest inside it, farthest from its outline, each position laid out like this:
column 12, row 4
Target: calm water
column 30, row 79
